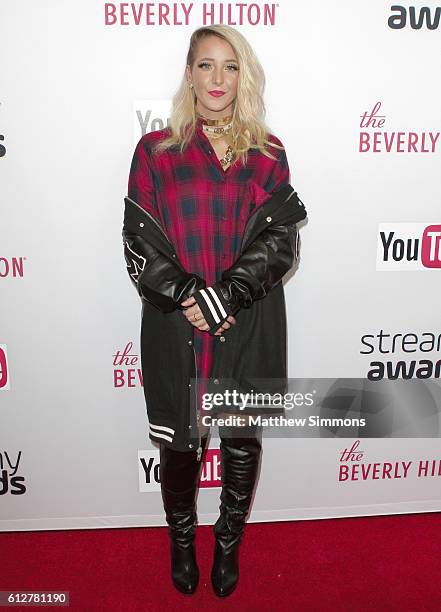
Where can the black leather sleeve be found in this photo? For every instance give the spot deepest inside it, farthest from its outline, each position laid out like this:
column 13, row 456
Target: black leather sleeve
column 156, row 277
column 261, row 266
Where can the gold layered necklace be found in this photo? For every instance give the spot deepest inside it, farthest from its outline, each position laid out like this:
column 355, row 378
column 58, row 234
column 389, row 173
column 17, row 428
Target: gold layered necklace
column 218, row 128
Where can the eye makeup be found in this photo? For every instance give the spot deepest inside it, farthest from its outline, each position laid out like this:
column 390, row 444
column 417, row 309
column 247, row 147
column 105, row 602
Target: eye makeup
column 234, row 67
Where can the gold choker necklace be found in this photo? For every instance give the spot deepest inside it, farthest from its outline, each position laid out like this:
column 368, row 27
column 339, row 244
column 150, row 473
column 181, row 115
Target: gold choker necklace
column 216, row 128
column 215, row 122
column 217, row 132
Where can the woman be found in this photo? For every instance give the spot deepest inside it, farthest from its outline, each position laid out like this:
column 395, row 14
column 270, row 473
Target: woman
column 209, row 231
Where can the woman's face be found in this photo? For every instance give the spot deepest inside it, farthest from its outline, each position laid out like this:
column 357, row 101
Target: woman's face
column 215, row 70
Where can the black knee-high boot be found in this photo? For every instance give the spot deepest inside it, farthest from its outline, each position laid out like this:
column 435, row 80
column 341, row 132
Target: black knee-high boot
column 239, row 466
column 179, row 475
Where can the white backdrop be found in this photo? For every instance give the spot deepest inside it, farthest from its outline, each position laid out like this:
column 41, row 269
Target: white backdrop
column 74, row 450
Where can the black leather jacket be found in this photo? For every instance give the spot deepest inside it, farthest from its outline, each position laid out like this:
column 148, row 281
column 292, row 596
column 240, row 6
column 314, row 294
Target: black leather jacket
column 254, row 348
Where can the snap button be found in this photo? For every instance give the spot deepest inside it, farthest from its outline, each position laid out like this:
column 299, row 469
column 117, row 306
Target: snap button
column 222, row 338
column 141, row 225
column 190, row 342
column 174, row 255
column 216, row 381
column 190, row 446
column 189, row 384
column 269, row 219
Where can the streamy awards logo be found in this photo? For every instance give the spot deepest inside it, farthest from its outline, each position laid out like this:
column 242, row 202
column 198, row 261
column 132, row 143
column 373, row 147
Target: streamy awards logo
column 402, row 354
column 10, row 480
column 414, row 17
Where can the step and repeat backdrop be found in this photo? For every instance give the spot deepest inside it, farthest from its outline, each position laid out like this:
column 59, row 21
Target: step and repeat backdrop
column 353, row 92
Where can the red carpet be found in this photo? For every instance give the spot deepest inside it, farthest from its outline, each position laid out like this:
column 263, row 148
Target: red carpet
column 384, row 563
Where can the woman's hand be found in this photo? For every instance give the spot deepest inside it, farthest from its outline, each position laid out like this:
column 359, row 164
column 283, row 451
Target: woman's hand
column 194, row 314
column 226, row 325
column 195, row 317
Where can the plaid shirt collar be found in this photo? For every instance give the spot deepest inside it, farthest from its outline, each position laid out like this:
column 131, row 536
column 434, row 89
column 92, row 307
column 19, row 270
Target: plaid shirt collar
column 202, row 138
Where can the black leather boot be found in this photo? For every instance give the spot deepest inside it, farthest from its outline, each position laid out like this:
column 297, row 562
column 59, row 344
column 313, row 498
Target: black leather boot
column 179, row 475
column 239, row 466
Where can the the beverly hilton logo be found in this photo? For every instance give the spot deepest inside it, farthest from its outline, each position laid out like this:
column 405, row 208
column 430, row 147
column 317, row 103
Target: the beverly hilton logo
column 166, row 14
column 353, row 466
column 376, row 137
column 126, row 368
column 409, row 246
column 12, row 267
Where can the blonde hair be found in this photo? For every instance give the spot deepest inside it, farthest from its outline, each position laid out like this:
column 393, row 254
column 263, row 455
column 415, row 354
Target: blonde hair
column 249, row 128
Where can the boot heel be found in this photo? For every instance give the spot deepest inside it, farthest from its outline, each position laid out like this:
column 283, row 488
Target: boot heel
column 184, row 569
column 225, row 572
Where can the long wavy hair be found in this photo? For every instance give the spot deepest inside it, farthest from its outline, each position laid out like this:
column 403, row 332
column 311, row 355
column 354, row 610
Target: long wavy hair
column 249, row 129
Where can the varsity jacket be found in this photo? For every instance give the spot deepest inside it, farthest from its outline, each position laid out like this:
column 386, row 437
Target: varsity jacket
column 254, row 349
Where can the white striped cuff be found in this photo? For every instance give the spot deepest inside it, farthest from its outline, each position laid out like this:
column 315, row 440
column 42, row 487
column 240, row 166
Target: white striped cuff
column 161, row 431
column 214, row 307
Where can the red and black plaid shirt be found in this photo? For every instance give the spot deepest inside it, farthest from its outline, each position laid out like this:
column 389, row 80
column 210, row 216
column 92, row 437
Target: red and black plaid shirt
column 203, row 208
